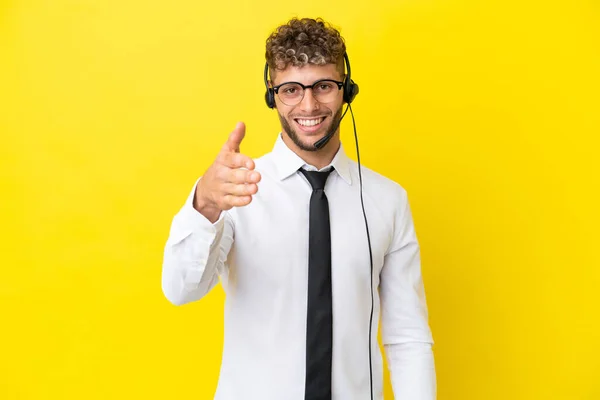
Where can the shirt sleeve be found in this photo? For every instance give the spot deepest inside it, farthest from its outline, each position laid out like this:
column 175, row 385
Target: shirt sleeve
column 405, row 330
column 412, row 371
column 195, row 253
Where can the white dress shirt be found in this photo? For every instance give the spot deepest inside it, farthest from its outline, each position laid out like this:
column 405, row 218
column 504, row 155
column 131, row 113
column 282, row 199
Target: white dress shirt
column 260, row 254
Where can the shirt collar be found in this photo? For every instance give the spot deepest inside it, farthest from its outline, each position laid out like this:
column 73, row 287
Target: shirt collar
column 287, row 162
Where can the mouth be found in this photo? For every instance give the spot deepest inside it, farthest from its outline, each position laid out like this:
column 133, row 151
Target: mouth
column 310, row 125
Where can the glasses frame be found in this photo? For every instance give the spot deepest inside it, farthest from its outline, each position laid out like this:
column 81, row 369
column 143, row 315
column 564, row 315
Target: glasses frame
column 339, row 84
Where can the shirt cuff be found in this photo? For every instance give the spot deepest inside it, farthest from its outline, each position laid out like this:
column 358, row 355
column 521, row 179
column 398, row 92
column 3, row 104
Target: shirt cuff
column 190, row 220
column 412, row 370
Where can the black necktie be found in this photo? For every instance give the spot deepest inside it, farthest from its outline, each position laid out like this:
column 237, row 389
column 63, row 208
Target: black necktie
column 319, row 330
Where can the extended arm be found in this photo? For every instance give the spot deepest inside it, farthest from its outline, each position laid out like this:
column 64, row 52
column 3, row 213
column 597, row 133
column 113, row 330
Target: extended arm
column 195, row 254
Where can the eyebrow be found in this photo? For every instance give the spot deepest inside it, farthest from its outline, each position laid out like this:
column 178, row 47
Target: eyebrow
column 316, row 80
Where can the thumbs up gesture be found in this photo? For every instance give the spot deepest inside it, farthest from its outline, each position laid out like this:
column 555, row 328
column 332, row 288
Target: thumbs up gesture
column 230, row 181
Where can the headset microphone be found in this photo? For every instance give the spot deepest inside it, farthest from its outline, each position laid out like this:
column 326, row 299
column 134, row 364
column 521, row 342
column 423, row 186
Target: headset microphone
column 325, row 139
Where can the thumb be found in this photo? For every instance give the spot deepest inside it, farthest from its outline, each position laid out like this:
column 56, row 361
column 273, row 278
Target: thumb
column 235, row 137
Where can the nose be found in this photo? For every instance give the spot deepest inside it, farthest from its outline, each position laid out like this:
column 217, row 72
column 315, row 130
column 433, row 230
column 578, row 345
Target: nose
column 308, row 103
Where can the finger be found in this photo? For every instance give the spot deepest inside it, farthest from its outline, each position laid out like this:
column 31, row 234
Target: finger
column 237, row 201
column 235, row 138
column 240, row 189
column 237, row 160
column 242, row 176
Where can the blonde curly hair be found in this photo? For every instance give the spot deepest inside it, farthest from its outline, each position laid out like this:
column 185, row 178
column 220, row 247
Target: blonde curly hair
column 305, row 41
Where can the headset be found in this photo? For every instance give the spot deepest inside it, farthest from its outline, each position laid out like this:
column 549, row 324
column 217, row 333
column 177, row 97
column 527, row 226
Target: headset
column 350, row 92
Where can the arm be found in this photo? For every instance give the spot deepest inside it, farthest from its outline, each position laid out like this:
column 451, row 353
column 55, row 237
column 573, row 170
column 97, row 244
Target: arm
column 202, row 231
column 412, row 370
column 195, row 253
column 406, row 335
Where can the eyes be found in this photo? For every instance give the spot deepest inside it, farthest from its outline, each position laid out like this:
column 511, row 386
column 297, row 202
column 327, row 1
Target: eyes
column 293, row 88
column 324, row 91
column 289, row 90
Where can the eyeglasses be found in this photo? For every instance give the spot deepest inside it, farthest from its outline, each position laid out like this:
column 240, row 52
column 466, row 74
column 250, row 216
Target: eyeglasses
column 292, row 93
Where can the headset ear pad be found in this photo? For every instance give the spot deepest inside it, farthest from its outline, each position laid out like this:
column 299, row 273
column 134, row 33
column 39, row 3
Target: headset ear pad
column 270, row 93
column 350, row 91
column 270, row 98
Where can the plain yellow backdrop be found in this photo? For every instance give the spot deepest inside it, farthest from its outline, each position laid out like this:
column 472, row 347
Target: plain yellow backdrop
column 487, row 112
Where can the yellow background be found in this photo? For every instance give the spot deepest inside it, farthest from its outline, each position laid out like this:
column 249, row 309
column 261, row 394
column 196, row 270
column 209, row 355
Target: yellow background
column 487, row 112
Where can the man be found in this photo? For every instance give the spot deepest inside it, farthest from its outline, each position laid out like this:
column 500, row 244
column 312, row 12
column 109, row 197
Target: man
column 286, row 235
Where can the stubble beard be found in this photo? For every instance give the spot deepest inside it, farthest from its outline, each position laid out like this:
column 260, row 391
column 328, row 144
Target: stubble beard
column 293, row 135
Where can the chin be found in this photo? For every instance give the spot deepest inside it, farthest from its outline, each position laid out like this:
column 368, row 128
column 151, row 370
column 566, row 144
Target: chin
column 304, row 134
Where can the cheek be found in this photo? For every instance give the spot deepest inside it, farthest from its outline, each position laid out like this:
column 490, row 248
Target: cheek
column 284, row 111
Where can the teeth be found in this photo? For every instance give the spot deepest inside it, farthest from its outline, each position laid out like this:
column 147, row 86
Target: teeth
column 309, row 122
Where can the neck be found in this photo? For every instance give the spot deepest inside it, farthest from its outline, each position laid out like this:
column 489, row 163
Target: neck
column 319, row 158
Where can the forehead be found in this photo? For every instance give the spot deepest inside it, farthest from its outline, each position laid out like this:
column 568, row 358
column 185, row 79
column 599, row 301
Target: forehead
column 307, row 74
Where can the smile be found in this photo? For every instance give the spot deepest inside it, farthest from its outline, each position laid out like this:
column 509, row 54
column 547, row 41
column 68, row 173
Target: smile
column 309, row 125
column 309, row 122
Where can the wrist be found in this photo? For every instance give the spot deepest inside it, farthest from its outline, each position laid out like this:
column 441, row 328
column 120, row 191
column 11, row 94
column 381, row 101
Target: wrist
column 205, row 207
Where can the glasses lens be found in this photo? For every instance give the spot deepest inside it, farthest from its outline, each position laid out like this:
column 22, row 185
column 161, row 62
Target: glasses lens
column 325, row 91
column 290, row 93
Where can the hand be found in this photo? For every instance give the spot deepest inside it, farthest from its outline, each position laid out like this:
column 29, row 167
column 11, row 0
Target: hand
column 230, row 181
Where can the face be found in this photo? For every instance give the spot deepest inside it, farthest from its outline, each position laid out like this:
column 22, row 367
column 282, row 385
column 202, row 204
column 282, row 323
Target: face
column 309, row 120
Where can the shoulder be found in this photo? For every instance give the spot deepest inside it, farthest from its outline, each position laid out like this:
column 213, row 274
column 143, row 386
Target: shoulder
column 382, row 189
column 386, row 203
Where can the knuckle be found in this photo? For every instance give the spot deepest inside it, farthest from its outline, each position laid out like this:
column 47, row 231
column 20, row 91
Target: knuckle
column 239, row 175
column 225, row 158
column 238, row 190
column 232, row 189
column 231, row 175
column 219, row 174
column 240, row 159
column 225, row 174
